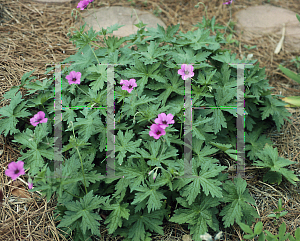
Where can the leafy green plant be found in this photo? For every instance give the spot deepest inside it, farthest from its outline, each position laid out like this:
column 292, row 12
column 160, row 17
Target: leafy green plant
column 132, row 2
column 157, row 11
column 296, row 61
column 270, row 159
column 279, row 211
column 268, row 236
column 148, row 185
column 261, row 235
column 249, row 47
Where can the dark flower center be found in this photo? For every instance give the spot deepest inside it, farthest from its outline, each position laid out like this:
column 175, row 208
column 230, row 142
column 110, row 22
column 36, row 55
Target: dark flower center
column 17, row 171
column 164, row 122
column 130, row 86
column 74, row 79
column 158, row 132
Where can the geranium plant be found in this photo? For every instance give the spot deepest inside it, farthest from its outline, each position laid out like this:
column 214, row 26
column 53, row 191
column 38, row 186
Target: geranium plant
column 149, row 95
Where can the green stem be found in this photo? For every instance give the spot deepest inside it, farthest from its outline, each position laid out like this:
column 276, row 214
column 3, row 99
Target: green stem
column 82, row 90
column 80, row 160
column 82, row 170
column 44, row 128
column 121, row 112
column 104, row 39
column 72, row 194
column 163, row 149
column 204, row 8
column 123, row 104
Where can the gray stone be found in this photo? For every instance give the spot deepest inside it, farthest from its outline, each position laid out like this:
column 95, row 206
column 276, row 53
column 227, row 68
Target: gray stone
column 108, row 16
column 257, row 21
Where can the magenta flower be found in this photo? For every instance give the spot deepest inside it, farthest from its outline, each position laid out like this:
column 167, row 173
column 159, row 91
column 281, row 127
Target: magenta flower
column 128, row 85
column 163, row 120
column 74, row 77
column 30, row 185
column 156, row 131
column 83, row 4
column 228, row 2
column 38, row 118
column 186, row 71
column 15, row 170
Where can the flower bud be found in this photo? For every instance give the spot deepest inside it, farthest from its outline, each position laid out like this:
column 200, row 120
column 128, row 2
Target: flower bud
column 155, row 175
column 30, row 183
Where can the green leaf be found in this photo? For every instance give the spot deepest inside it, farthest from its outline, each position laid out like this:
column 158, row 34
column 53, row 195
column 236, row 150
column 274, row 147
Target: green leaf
column 270, row 159
column 298, row 17
column 206, row 180
column 99, row 77
column 261, row 237
column 257, row 141
column 38, row 85
column 213, row 23
column 115, row 217
column 124, row 145
column 40, row 99
column 228, row 58
column 297, row 234
column 153, row 196
column 113, row 43
column 153, row 53
column 222, row 147
column 282, row 230
column 176, row 86
column 245, row 228
column 293, row 100
column 290, row 74
column 48, row 185
column 73, row 143
column 199, row 215
column 198, row 40
column 88, row 126
column 80, row 61
column 13, row 111
column 162, row 34
column 270, row 236
column 219, row 120
column 114, row 27
column 275, row 108
column 140, row 24
column 82, row 212
column 139, row 222
column 130, row 108
column 33, row 157
column 258, row 228
column 247, row 236
column 25, row 78
column 238, row 209
column 11, row 93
